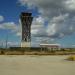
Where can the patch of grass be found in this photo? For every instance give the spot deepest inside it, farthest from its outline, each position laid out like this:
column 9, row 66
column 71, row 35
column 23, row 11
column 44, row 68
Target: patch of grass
column 71, row 58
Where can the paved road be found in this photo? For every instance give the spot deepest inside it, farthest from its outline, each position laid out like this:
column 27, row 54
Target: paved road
column 36, row 65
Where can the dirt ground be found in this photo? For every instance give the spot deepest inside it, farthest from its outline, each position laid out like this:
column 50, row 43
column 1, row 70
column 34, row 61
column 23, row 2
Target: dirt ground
column 36, row 65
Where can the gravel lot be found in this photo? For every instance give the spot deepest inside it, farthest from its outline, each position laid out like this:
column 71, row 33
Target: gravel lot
column 36, row 65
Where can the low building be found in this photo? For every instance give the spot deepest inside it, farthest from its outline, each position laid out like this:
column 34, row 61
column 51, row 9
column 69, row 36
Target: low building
column 51, row 46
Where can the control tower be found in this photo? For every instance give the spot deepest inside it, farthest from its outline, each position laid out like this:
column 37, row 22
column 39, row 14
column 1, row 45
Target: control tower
column 26, row 21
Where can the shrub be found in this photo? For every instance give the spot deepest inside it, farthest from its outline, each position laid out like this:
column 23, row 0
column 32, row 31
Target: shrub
column 72, row 58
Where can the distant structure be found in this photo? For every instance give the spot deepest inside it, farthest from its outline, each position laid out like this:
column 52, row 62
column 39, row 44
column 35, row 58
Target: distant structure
column 26, row 21
column 50, row 46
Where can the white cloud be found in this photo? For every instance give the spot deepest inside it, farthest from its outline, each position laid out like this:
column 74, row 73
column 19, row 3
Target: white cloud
column 60, row 18
column 54, row 27
column 12, row 44
column 57, row 27
column 18, row 33
column 9, row 44
column 47, row 8
column 51, row 30
column 56, row 24
column 8, row 25
column 14, row 28
column 70, row 4
column 61, row 35
column 17, row 30
column 1, row 27
column 37, row 25
column 38, row 21
column 61, row 22
column 1, row 18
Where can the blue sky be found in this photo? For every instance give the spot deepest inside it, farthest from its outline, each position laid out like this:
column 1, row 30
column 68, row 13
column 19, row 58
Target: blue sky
column 54, row 21
column 10, row 12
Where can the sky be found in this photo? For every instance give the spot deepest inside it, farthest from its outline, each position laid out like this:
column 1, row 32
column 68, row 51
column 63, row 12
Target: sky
column 53, row 22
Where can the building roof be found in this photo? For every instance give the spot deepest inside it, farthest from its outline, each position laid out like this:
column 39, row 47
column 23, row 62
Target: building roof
column 50, row 44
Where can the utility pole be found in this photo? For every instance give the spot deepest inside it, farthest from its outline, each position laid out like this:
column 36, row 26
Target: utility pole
column 2, row 44
column 6, row 41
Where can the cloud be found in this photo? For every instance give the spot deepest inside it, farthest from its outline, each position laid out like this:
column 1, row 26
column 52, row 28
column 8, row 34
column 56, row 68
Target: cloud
column 12, row 44
column 70, row 4
column 37, row 26
column 57, row 27
column 51, row 8
column 1, row 18
column 13, row 27
column 56, row 24
column 18, row 33
column 38, row 40
column 47, row 8
column 18, row 30
column 8, row 25
column 60, row 15
column 9, row 44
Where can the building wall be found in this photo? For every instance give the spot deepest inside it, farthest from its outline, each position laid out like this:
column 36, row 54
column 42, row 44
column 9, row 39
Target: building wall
column 51, row 47
column 25, row 44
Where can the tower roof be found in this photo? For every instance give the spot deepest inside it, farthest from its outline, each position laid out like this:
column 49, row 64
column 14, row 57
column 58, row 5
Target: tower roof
column 26, row 14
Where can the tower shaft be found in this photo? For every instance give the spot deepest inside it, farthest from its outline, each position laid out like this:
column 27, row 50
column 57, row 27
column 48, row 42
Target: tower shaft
column 26, row 21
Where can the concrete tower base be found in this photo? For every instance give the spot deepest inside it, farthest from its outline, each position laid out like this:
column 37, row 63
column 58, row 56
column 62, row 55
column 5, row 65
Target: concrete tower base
column 25, row 44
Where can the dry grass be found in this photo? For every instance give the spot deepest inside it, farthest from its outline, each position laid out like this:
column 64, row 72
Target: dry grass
column 72, row 58
column 19, row 52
